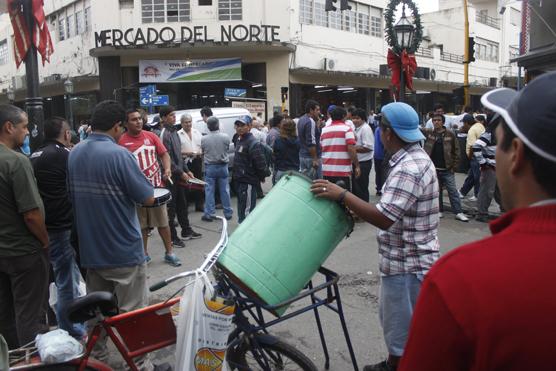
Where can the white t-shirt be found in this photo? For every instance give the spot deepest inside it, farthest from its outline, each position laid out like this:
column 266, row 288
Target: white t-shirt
column 365, row 138
column 190, row 145
column 450, row 121
column 259, row 135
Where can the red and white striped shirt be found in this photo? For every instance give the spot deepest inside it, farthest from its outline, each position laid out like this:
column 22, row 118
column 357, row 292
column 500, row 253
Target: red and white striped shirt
column 146, row 148
column 334, row 140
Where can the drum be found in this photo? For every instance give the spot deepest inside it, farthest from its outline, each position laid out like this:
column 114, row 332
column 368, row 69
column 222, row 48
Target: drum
column 284, row 241
column 161, row 196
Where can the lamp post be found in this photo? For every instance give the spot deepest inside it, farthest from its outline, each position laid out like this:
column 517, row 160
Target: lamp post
column 11, row 95
column 405, row 31
column 68, row 88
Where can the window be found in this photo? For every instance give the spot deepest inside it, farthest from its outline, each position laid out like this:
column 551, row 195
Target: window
column 3, row 51
column 321, row 17
column 363, row 19
column 61, row 28
column 165, row 11
column 514, row 52
column 335, row 20
column 205, row 2
column 70, row 26
column 126, row 4
column 87, row 18
column 79, row 29
column 376, row 22
column 350, row 18
column 515, row 17
column 486, row 50
column 306, row 12
column 229, row 10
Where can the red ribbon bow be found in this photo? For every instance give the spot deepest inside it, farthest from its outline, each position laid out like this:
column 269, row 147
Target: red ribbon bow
column 396, row 63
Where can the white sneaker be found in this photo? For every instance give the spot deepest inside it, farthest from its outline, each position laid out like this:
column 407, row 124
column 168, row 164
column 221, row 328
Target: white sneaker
column 440, row 215
column 460, row 195
column 462, row 217
column 472, row 198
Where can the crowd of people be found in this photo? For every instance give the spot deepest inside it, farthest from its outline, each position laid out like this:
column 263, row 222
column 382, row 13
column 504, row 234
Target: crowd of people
column 90, row 209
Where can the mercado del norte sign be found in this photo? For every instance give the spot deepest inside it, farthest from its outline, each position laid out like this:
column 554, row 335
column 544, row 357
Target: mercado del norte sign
column 149, row 36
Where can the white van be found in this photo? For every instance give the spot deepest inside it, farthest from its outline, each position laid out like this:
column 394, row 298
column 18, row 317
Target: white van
column 226, row 115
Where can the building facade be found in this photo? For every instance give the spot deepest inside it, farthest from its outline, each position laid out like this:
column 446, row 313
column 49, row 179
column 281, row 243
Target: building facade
column 289, row 51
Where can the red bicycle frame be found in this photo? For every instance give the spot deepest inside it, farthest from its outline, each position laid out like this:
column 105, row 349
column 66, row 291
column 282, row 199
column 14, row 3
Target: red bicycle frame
column 135, row 333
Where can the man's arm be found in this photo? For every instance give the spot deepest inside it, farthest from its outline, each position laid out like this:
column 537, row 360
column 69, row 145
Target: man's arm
column 34, row 220
column 354, row 160
column 166, row 165
column 478, row 147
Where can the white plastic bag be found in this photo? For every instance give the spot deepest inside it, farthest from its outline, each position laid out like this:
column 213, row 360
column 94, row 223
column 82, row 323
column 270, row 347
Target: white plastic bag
column 57, row 346
column 203, row 328
column 53, row 292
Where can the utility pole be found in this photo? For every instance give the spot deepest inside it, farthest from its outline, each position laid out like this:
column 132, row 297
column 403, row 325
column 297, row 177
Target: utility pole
column 33, row 102
column 466, row 97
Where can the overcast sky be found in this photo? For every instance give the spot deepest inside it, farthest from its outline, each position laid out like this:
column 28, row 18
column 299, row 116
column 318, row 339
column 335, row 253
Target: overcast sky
column 427, row 5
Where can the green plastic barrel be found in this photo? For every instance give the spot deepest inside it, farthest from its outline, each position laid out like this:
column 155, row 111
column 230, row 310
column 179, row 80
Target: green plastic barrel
column 282, row 243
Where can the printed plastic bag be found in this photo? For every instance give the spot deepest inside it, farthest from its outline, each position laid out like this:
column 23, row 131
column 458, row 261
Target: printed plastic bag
column 204, row 325
column 57, row 346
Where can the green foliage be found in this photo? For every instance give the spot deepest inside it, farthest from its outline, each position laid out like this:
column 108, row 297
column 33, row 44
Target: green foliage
column 391, row 37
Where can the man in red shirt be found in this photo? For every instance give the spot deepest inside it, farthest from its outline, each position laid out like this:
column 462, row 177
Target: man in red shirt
column 490, row 305
column 339, row 157
column 147, row 150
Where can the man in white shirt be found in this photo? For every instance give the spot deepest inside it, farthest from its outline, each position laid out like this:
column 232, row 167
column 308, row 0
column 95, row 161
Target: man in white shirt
column 449, row 121
column 364, row 148
column 192, row 153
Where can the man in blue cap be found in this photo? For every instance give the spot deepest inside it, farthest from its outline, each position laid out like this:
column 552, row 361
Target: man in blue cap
column 407, row 218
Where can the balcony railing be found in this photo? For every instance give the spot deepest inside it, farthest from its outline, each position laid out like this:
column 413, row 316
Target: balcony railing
column 424, row 52
column 450, row 57
column 489, row 21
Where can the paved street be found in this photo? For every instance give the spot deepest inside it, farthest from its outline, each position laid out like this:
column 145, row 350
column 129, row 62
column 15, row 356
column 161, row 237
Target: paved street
column 355, row 259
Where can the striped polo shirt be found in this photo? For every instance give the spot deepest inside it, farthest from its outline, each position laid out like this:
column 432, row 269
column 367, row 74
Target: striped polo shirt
column 334, row 140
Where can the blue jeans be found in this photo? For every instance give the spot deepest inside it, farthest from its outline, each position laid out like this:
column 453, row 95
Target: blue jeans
column 306, row 167
column 447, row 179
column 246, row 199
column 66, row 276
column 473, row 179
column 217, row 174
column 398, row 295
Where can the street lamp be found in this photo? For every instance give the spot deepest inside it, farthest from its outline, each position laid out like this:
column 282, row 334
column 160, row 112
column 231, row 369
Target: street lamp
column 68, row 88
column 405, row 31
column 11, row 95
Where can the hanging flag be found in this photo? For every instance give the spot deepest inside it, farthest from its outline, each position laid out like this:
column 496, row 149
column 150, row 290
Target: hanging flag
column 23, row 39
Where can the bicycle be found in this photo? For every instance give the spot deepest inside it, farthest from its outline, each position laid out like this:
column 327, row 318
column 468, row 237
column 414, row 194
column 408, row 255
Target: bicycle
column 142, row 331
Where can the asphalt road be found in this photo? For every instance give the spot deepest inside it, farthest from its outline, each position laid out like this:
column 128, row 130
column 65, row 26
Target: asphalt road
column 355, row 260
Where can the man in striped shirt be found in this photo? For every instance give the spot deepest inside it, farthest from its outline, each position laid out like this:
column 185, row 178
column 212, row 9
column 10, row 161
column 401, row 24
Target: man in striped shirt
column 339, row 157
column 484, row 151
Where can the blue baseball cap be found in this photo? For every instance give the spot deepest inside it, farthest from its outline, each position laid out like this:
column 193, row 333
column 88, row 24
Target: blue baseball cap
column 243, row 120
column 331, row 108
column 404, row 121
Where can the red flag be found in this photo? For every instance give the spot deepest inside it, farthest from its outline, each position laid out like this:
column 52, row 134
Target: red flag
column 40, row 37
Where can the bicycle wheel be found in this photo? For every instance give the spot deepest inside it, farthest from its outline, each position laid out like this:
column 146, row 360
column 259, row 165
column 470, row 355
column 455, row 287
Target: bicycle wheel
column 277, row 355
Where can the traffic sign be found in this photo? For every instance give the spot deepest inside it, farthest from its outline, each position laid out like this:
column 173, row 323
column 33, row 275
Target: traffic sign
column 235, row 92
column 160, row 100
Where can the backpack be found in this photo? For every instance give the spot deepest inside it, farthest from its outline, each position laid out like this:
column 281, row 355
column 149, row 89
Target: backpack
column 267, row 154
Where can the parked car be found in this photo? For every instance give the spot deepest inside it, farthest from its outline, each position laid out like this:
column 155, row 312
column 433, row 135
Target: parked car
column 226, row 115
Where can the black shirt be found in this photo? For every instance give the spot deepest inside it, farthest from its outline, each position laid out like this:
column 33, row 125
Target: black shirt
column 50, row 163
column 437, row 155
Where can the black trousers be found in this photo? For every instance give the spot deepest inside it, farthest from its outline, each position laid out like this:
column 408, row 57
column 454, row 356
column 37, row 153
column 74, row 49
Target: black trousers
column 361, row 184
column 177, row 207
column 23, row 292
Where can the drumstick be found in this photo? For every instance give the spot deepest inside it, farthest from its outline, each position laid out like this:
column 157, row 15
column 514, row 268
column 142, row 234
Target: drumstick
column 170, row 180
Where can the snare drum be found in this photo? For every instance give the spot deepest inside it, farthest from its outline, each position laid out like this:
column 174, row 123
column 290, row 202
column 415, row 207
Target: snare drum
column 161, row 196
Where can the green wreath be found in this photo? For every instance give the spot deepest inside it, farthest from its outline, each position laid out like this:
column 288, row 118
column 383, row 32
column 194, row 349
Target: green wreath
column 391, row 36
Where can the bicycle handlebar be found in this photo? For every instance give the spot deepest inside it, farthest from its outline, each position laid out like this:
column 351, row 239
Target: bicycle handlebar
column 207, row 264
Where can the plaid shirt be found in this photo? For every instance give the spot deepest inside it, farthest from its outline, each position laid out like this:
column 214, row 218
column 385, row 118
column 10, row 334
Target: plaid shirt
column 410, row 199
